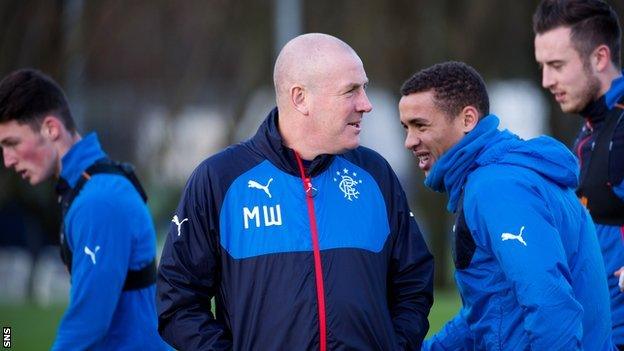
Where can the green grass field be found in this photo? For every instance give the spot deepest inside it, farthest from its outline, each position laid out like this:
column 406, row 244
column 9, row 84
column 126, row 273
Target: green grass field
column 33, row 328
column 445, row 305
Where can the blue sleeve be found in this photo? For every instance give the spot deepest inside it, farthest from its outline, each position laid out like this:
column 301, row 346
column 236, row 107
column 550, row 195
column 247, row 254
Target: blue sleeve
column 510, row 217
column 411, row 289
column 454, row 336
column 97, row 235
column 188, row 273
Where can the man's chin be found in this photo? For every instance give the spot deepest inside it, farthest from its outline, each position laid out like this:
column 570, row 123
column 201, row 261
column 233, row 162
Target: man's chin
column 34, row 181
column 576, row 106
column 569, row 108
column 349, row 147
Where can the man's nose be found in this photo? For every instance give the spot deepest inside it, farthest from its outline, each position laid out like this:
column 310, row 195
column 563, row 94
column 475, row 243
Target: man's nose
column 547, row 78
column 365, row 104
column 411, row 140
column 8, row 159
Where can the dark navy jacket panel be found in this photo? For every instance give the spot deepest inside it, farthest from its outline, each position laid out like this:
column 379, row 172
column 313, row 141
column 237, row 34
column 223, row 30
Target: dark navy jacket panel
column 189, row 272
column 410, row 269
column 284, row 294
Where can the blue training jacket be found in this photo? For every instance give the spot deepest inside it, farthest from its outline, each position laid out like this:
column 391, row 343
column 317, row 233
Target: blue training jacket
column 610, row 237
column 528, row 265
column 242, row 233
column 109, row 230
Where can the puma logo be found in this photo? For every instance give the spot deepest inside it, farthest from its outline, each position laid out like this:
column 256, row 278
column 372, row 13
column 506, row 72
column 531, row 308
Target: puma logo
column 178, row 223
column 91, row 253
column 509, row 236
column 256, row 185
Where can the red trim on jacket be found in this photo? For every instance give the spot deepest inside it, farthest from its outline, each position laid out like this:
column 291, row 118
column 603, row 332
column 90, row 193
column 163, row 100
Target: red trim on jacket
column 318, row 269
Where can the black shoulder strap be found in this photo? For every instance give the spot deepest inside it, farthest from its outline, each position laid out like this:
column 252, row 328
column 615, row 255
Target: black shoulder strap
column 67, row 194
column 134, row 279
column 142, row 278
column 111, row 167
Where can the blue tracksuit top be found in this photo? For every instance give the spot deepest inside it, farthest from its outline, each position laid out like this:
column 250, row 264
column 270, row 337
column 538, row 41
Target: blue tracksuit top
column 610, row 237
column 242, row 233
column 109, row 230
column 528, row 265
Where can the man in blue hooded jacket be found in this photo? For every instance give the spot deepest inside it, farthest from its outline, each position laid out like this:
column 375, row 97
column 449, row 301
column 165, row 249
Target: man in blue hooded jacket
column 527, row 261
column 108, row 243
column 577, row 44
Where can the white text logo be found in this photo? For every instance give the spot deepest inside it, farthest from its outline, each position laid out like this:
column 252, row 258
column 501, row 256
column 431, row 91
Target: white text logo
column 272, row 216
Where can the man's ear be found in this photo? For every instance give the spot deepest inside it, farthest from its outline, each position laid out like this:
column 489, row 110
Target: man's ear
column 600, row 58
column 469, row 117
column 299, row 99
column 52, row 128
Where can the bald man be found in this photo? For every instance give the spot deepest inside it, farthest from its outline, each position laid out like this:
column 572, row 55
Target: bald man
column 303, row 238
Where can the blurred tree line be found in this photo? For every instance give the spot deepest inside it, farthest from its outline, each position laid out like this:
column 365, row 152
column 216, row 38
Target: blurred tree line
column 115, row 57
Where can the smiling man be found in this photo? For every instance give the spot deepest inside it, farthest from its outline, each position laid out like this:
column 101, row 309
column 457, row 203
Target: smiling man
column 303, row 237
column 577, row 45
column 528, row 266
column 108, row 242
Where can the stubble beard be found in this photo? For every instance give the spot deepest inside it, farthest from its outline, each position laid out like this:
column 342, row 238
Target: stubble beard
column 587, row 95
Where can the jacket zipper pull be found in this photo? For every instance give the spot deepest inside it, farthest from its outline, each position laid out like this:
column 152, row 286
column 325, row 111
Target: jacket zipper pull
column 309, row 189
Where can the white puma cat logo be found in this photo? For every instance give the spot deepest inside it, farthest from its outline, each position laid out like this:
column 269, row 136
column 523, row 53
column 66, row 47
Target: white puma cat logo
column 509, row 236
column 178, row 223
column 256, row 185
column 91, row 253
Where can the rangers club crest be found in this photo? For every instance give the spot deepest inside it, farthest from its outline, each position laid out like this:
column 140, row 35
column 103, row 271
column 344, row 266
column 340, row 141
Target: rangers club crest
column 347, row 183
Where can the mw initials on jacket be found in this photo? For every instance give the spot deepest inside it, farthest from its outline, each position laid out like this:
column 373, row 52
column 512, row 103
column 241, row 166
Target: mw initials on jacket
column 272, row 215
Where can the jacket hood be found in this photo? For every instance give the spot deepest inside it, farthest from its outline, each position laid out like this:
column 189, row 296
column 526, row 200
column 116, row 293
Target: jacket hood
column 543, row 155
column 486, row 145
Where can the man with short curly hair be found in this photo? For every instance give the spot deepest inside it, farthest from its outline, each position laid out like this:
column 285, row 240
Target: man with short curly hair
column 527, row 261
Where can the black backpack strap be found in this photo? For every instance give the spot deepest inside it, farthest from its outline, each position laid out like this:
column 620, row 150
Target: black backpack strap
column 134, row 279
column 111, row 167
column 142, row 278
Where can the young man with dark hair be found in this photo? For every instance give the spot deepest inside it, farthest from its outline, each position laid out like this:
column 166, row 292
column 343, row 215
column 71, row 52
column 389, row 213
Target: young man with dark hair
column 528, row 266
column 108, row 241
column 303, row 237
column 577, row 45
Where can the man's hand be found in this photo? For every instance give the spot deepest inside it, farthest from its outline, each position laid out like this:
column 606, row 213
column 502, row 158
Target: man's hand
column 620, row 273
